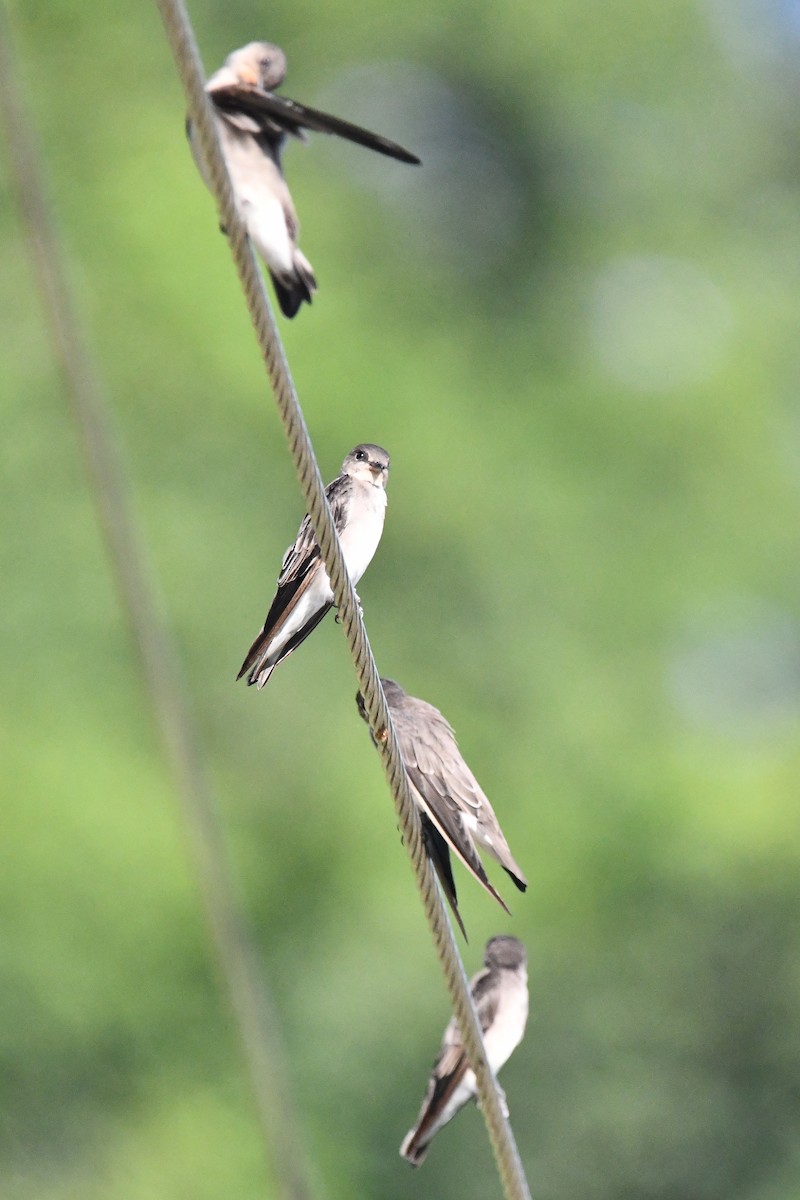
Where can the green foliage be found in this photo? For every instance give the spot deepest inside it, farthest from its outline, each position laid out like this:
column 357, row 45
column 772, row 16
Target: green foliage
column 575, row 329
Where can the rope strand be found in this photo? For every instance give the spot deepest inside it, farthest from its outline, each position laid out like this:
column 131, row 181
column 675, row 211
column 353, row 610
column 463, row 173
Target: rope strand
column 187, row 59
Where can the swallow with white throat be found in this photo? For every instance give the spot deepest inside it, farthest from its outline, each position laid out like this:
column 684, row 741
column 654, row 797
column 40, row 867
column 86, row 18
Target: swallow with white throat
column 357, row 499
column 500, row 996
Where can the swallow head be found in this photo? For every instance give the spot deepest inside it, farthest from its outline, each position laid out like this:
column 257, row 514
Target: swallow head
column 504, row 951
column 392, row 691
column 368, row 463
column 258, row 64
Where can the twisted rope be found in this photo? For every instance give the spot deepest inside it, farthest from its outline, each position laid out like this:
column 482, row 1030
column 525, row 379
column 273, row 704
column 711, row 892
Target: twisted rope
column 187, row 59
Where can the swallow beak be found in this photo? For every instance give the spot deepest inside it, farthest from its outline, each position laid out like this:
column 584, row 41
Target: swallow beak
column 376, row 470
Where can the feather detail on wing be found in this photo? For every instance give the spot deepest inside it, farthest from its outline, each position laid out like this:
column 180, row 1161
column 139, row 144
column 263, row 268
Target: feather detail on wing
column 425, row 744
column 299, row 569
column 277, row 115
column 449, row 1070
column 450, row 824
column 304, row 551
column 447, row 772
column 259, row 651
column 234, row 102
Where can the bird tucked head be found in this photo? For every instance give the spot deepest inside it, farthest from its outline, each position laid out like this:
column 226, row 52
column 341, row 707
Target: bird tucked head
column 505, row 951
column 369, row 463
column 393, row 693
column 259, row 64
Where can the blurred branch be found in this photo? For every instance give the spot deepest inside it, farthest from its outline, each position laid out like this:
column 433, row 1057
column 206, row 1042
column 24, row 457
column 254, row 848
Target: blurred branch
column 233, row 945
column 187, row 60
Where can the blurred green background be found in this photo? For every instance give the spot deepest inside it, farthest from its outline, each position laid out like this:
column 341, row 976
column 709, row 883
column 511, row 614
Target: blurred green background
column 575, row 328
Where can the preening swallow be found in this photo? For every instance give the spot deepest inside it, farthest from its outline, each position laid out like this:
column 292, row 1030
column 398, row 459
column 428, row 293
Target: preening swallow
column 253, row 123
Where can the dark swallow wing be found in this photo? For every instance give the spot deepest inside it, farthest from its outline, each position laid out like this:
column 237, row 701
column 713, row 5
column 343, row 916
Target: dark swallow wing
column 436, row 846
column 302, row 559
column 234, row 103
column 279, row 115
column 299, row 568
column 443, row 760
column 280, row 610
column 485, row 995
column 451, row 827
column 421, row 744
column 452, row 1063
column 439, row 854
column 259, row 651
column 304, row 549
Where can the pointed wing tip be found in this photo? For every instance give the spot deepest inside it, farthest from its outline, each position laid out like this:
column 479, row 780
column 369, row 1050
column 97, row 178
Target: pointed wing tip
column 454, row 910
column 391, row 149
column 246, row 666
column 493, row 892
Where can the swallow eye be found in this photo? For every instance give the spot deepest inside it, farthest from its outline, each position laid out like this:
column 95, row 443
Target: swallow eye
column 361, row 456
column 264, row 64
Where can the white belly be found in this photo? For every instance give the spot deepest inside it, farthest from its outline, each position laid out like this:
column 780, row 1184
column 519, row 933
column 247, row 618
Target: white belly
column 261, row 196
column 359, row 542
column 362, row 534
column 508, row 1026
column 266, row 224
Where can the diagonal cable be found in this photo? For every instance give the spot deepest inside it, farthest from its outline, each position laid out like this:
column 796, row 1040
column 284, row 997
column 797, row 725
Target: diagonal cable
column 187, row 59
column 231, row 939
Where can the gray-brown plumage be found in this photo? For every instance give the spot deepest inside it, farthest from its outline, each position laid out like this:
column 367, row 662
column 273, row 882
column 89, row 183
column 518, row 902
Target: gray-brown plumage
column 456, row 814
column 357, row 498
column 253, row 123
column 500, row 996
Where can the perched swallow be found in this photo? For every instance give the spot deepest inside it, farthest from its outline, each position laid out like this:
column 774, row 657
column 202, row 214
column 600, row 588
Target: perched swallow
column 455, row 812
column 357, row 498
column 500, row 996
column 252, row 124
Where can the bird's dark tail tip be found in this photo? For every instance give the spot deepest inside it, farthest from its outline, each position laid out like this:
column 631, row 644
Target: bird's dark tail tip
column 412, row 1150
column 519, row 881
column 295, row 290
